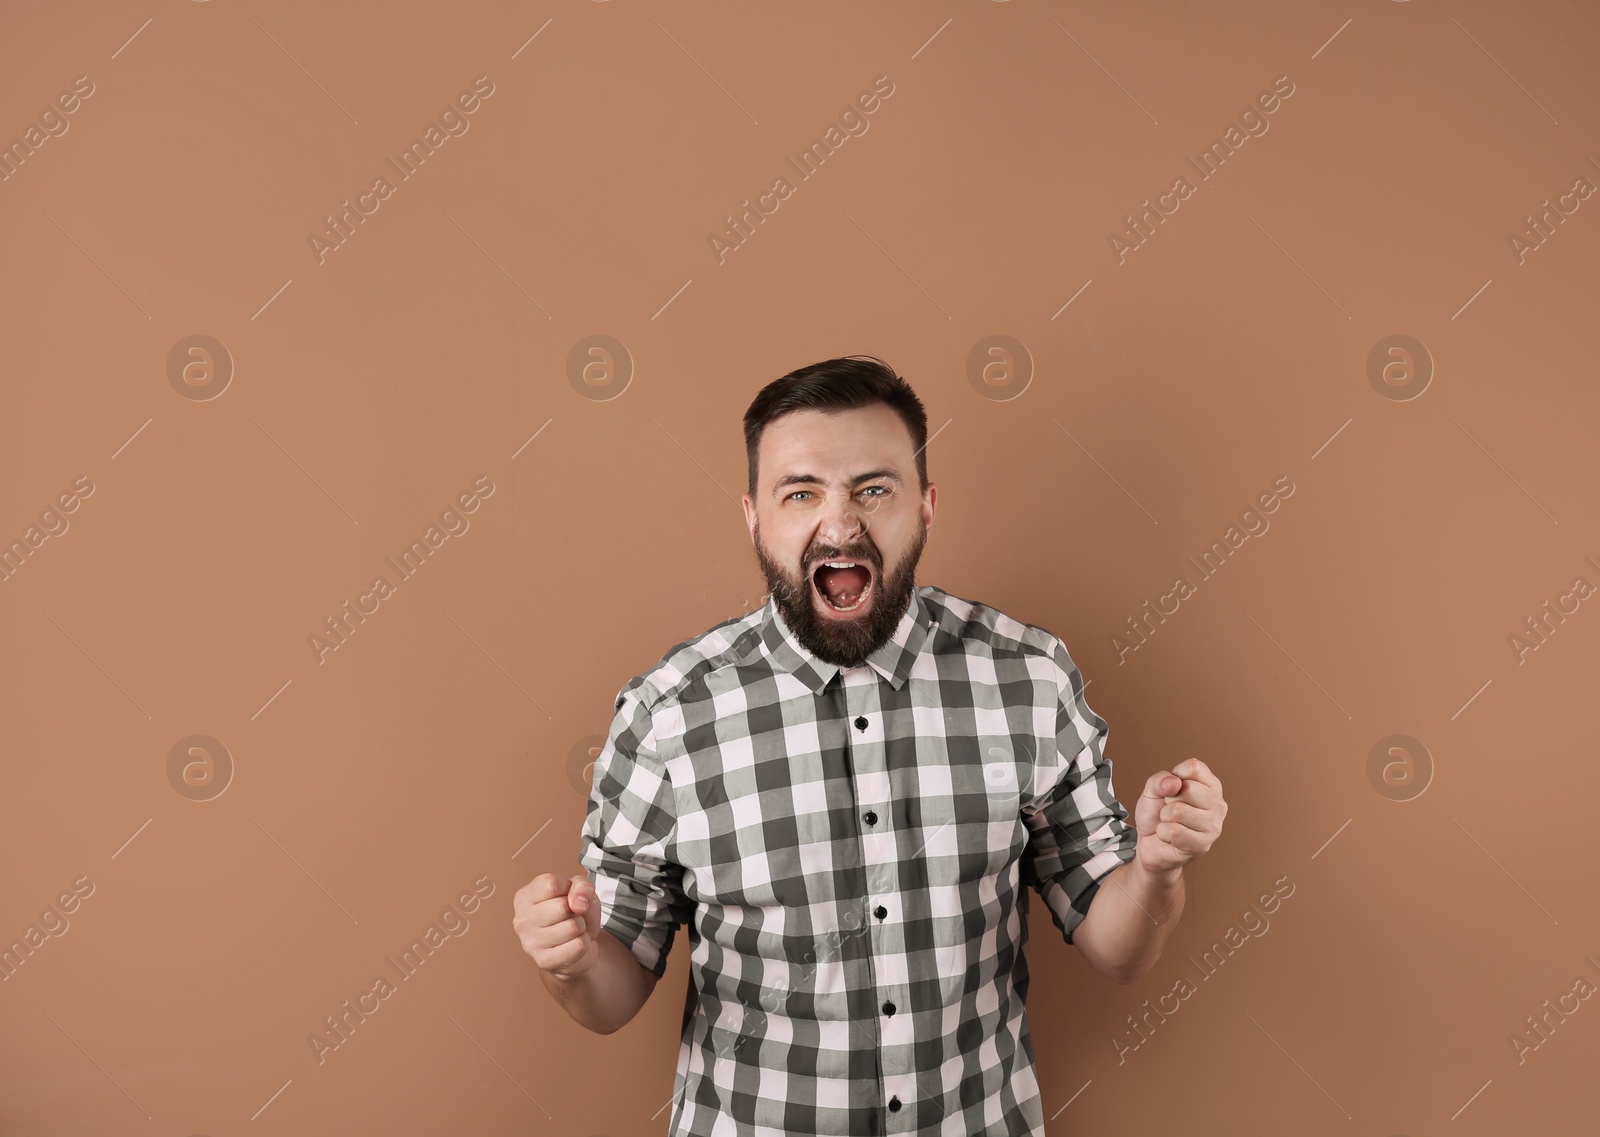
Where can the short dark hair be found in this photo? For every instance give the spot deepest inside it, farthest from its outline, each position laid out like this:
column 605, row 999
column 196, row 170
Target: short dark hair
column 841, row 384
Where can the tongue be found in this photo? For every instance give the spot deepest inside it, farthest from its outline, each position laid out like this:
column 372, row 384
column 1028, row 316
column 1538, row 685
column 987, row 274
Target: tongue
column 843, row 585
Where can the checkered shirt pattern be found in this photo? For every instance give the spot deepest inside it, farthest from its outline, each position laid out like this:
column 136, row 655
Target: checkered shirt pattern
column 846, row 847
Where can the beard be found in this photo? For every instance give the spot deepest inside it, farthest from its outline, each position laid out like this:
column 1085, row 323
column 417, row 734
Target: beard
column 843, row 641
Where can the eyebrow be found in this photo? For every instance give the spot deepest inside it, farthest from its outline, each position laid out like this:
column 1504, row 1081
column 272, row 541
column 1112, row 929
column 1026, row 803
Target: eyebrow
column 812, row 479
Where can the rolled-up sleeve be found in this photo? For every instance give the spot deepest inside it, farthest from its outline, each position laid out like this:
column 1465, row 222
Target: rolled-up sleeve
column 627, row 837
column 1078, row 830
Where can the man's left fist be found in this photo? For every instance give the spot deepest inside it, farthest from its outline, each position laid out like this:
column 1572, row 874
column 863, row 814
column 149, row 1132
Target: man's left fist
column 1178, row 816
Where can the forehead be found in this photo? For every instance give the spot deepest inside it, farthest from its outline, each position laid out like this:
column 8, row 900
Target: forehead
column 835, row 444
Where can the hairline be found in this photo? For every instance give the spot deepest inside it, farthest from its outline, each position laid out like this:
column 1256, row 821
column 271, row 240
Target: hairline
column 795, row 479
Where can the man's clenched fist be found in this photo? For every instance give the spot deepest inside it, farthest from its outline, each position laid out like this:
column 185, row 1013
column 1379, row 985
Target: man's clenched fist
column 558, row 922
column 1179, row 816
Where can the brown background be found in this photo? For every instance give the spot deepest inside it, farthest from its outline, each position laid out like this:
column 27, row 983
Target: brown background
column 445, row 742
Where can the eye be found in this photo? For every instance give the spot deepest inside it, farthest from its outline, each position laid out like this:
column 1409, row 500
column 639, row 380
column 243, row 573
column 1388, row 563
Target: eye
column 885, row 491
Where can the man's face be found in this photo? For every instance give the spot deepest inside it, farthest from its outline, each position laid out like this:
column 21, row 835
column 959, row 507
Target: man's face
column 839, row 486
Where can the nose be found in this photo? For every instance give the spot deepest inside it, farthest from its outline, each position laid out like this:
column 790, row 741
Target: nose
column 842, row 525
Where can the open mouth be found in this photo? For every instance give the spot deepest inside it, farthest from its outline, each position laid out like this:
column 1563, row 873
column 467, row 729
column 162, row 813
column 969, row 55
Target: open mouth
column 842, row 585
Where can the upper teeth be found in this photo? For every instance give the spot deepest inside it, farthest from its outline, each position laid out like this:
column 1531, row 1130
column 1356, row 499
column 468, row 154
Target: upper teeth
column 839, row 564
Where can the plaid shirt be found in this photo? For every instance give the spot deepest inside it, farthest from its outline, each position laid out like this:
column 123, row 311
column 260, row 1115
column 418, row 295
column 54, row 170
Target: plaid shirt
column 846, row 848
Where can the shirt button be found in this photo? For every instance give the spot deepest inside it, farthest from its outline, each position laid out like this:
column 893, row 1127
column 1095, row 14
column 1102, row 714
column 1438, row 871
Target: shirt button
column 880, row 911
column 894, row 1104
column 861, row 722
column 872, row 817
column 888, row 1008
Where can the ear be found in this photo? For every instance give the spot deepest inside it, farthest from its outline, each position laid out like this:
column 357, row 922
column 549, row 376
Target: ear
column 749, row 516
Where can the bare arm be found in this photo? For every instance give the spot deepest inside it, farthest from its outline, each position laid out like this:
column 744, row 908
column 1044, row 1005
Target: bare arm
column 1179, row 817
column 607, row 996
column 1129, row 920
column 586, row 969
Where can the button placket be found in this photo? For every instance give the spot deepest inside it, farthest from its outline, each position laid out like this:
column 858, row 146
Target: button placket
column 879, row 854
column 881, row 857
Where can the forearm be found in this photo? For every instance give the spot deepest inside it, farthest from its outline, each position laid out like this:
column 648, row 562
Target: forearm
column 607, row 996
column 1129, row 920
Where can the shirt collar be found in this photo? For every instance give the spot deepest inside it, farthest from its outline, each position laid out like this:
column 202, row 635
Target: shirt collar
column 892, row 660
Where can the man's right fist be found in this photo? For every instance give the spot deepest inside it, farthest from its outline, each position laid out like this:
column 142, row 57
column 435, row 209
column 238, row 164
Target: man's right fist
column 558, row 922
